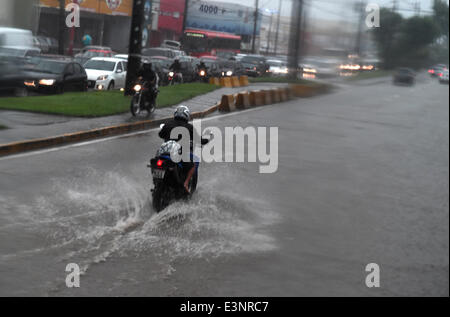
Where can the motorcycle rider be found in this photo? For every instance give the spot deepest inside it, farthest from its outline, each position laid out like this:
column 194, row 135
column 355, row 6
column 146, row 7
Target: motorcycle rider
column 181, row 118
column 202, row 66
column 150, row 78
column 176, row 68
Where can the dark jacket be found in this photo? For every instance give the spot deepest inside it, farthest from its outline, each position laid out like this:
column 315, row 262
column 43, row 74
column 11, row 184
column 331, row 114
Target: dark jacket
column 174, row 123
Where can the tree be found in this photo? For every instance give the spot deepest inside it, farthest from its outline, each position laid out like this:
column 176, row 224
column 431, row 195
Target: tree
column 385, row 36
column 441, row 16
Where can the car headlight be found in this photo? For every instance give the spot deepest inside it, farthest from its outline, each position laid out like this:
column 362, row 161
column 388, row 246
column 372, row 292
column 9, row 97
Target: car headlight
column 102, row 77
column 229, row 73
column 137, row 88
column 46, row 82
column 29, row 83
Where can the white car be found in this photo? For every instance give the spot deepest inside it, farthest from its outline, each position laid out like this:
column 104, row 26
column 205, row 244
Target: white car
column 106, row 73
column 443, row 77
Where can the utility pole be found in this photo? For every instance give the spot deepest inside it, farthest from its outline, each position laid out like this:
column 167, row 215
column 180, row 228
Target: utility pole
column 278, row 27
column 135, row 45
column 186, row 8
column 269, row 34
column 255, row 26
column 61, row 26
column 295, row 35
column 395, row 6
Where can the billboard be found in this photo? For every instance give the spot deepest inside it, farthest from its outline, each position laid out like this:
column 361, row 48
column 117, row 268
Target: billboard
column 222, row 17
column 110, row 7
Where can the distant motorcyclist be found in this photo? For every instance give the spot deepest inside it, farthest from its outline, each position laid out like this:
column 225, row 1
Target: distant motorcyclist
column 202, row 66
column 181, row 118
column 150, row 78
column 176, row 68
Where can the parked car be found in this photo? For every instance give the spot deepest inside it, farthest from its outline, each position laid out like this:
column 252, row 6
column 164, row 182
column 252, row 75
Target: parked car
column 17, row 42
column 89, row 52
column 54, row 76
column 404, row 76
column 443, row 78
column 106, row 73
column 159, row 51
column 255, row 65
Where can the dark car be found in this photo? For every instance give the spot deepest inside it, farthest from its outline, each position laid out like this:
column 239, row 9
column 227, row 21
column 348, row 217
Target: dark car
column 213, row 67
column 161, row 66
column 404, row 76
column 188, row 70
column 11, row 76
column 157, row 51
column 255, row 65
column 55, row 76
column 231, row 68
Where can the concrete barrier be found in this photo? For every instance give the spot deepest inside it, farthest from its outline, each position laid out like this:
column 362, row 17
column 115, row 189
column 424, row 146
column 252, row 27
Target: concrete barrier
column 275, row 94
column 226, row 82
column 235, row 81
column 283, row 94
column 256, row 98
column 214, row 81
column 243, row 80
column 228, row 103
column 267, row 97
column 243, row 100
column 303, row 91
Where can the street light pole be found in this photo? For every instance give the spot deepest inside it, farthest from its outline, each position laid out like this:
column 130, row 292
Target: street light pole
column 255, row 26
column 278, row 27
column 61, row 26
column 295, row 35
column 135, row 45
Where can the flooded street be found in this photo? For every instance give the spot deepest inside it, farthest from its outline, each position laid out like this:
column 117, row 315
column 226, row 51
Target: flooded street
column 362, row 178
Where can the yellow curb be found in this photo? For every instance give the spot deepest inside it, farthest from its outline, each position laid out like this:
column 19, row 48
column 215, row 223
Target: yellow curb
column 235, row 82
column 243, row 80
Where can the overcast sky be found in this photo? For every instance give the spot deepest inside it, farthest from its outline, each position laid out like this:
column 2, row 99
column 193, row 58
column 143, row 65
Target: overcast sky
column 335, row 9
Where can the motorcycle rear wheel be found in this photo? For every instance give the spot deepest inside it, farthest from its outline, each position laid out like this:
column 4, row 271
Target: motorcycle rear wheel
column 161, row 198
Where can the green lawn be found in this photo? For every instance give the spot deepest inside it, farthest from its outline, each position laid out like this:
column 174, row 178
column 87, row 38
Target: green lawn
column 370, row 75
column 100, row 103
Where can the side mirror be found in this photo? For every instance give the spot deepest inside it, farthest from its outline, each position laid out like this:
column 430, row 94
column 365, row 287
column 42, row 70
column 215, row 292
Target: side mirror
column 118, row 71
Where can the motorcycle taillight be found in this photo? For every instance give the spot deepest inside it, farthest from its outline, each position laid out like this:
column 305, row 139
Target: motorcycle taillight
column 160, row 163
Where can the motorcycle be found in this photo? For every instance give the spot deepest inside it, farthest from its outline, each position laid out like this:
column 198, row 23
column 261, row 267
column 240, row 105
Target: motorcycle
column 169, row 176
column 174, row 78
column 144, row 98
column 202, row 75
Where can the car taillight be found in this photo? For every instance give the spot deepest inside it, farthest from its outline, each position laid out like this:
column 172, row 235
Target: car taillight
column 431, row 71
column 159, row 163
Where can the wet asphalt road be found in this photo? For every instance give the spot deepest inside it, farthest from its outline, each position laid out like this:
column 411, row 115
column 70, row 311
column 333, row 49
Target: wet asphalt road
column 363, row 177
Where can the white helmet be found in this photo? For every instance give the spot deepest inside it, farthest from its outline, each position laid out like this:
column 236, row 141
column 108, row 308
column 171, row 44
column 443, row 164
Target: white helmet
column 182, row 113
column 172, row 149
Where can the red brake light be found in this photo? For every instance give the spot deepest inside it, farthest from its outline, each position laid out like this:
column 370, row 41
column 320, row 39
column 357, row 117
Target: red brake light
column 159, row 163
column 431, row 71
